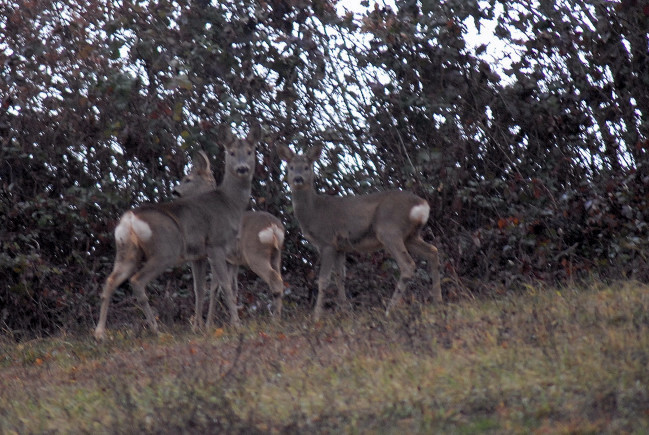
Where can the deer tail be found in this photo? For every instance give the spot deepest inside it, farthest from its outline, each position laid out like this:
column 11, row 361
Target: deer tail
column 272, row 235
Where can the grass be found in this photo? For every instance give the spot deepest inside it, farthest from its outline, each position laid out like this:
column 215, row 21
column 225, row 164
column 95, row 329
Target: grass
column 574, row 360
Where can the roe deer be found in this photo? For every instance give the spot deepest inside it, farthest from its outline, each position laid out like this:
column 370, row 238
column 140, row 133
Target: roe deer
column 391, row 220
column 201, row 227
column 259, row 247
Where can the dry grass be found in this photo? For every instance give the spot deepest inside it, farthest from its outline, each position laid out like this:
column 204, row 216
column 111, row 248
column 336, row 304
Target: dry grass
column 544, row 361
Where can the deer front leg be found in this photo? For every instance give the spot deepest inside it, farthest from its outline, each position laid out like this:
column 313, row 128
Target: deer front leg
column 221, row 276
column 327, row 261
column 233, row 270
column 199, row 271
column 232, row 296
column 339, row 279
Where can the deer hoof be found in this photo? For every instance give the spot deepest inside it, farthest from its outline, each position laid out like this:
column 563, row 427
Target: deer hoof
column 100, row 334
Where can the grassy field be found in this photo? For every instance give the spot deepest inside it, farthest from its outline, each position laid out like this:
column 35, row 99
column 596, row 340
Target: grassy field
column 541, row 361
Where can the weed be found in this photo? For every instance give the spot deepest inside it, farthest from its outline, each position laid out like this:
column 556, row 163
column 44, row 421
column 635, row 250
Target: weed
column 567, row 360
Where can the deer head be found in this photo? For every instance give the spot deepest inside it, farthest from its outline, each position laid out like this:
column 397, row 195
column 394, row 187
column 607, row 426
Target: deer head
column 199, row 179
column 240, row 153
column 300, row 166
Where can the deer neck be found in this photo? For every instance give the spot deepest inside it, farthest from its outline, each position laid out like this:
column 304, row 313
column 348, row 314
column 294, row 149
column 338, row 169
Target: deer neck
column 237, row 189
column 304, row 201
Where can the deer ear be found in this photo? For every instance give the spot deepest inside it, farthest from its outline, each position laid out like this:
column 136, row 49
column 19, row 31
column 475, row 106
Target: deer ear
column 201, row 161
column 314, row 152
column 254, row 135
column 285, row 153
column 226, row 135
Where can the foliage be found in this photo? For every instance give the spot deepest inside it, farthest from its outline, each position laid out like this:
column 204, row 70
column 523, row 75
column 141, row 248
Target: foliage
column 531, row 146
column 549, row 360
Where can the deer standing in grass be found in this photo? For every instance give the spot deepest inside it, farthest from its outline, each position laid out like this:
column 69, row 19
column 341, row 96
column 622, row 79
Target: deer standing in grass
column 259, row 248
column 390, row 220
column 200, row 227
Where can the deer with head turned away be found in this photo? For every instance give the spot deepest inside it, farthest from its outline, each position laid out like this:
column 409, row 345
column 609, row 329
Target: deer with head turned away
column 390, row 220
column 201, row 227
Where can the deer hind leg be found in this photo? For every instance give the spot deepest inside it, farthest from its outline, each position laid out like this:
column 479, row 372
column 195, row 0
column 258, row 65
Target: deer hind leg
column 264, row 269
column 278, row 290
column 127, row 261
column 124, row 267
column 151, row 270
column 429, row 252
column 327, row 260
column 395, row 245
column 199, row 271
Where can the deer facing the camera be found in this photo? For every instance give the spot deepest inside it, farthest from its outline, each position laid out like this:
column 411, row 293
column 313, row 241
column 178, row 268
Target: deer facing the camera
column 201, row 227
column 390, row 220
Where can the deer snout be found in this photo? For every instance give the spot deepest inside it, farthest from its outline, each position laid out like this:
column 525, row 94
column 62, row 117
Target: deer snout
column 175, row 193
column 298, row 179
column 242, row 170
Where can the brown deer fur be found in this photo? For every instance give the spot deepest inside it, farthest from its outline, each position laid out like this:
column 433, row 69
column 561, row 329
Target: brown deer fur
column 199, row 228
column 259, row 248
column 390, row 220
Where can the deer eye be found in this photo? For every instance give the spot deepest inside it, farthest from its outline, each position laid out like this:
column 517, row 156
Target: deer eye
column 306, row 167
column 249, row 152
column 232, row 153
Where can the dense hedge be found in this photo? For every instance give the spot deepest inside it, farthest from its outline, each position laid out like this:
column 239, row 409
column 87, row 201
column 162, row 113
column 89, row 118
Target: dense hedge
column 531, row 145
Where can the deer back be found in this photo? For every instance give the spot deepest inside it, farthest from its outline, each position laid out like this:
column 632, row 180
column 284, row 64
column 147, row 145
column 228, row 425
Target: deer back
column 351, row 222
column 348, row 222
column 189, row 225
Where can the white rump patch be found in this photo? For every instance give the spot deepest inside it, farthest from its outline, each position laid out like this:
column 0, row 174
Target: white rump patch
column 419, row 213
column 123, row 229
column 131, row 223
column 272, row 235
column 141, row 229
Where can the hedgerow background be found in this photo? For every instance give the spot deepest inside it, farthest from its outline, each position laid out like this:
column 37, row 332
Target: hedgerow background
column 531, row 145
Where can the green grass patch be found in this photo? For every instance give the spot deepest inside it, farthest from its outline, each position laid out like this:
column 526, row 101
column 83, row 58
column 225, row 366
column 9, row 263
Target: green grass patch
column 574, row 360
